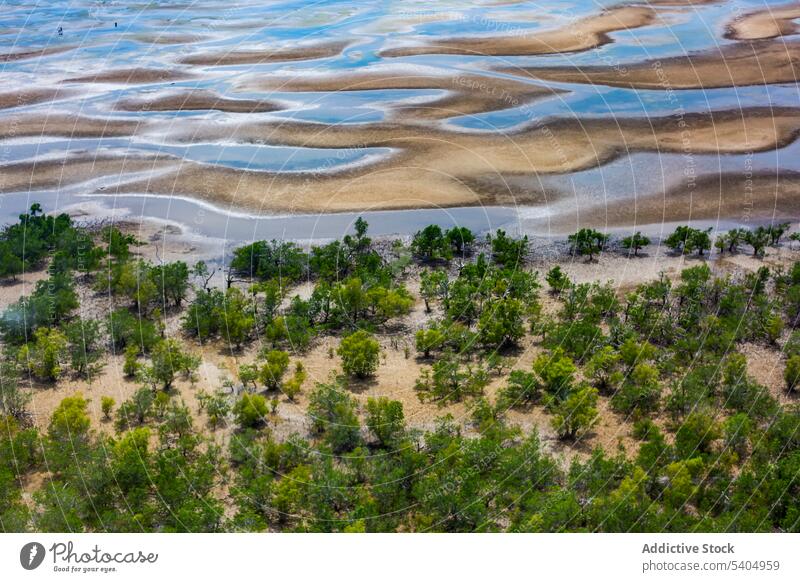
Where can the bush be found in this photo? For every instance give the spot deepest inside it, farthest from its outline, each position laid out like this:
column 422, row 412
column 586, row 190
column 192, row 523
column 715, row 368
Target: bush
column 360, row 353
column 792, row 373
column 107, row 406
column 688, row 240
column 250, row 410
column 273, row 369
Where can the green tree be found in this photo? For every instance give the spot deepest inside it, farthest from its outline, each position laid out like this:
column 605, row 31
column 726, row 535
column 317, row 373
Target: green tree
column 107, row 406
column 588, row 242
column 576, row 413
column 428, row 340
column 385, row 420
column 332, row 413
column 429, row 244
column 360, row 353
column 84, row 343
column 635, row 242
column 168, row 358
column 46, row 356
column 557, row 280
column 555, row 373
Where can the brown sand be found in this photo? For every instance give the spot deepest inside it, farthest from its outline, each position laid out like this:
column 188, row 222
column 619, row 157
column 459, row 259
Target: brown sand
column 31, row 96
column 197, row 101
column 580, row 35
column 255, row 57
column 466, row 94
column 65, row 126
column 133, row 76
column 736, row 65
column 441, row 168
column 22, row 55
column 770, row 22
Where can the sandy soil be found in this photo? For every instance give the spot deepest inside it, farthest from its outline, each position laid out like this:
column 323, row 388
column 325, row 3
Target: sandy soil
column 31, row 96
column 132, row 76
column 579, row 35
column 444, row 168
column 22, row 55
column 770, row 22
column 465, row 94
column 197, row 100
column 254, row 57
column 735, row 65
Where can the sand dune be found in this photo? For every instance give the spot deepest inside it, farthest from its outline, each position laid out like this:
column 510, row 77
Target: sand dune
column 255, row 57
column 770, row 22
column 466, row 94
column 132, row 76
column 196, row 101
column 579, row 35
column 736, row 65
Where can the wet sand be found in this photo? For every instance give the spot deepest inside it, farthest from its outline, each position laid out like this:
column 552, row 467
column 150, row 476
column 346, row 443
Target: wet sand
column 23, row 55
column 762, row 197
column 31, row 96
column 466, row 94
column 59, row 125
column 737, row 65
column 255, row 57
column 770, row 22
column 197, row 101
column 580, row 35
column 31, row 176
column 443, row 168
column 133, row 76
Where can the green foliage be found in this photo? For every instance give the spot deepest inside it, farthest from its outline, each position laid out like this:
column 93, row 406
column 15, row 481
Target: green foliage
column 46, row 356
column 635, row 242
column 70, row 421
column 428, row 340
column 360, row 353
column 557, row 280
column 587, row 242
column 430, row 244
column 107, row 406
column 686, row 239
column 332, row 413
column 448, row 380
column 273, row 366
column 250, row 410
column 555, row 373
column 385, row 420
column 576, row 413
column 280, row 260
column 791, row 373
column 85, row 346
column 507, row 251
column 168, row 359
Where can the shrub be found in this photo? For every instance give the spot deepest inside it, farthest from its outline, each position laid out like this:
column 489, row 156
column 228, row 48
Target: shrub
column 250, row 410
column 360, row 354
